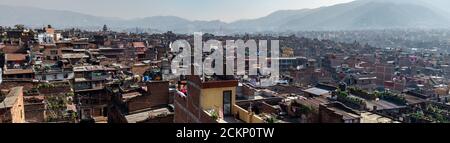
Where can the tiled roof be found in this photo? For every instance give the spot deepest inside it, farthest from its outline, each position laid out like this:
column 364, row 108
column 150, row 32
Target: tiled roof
column 15, row 57
column 74, row 56
column 18, row 71
column 317, row 91
column 91, row 68
column 138, row 44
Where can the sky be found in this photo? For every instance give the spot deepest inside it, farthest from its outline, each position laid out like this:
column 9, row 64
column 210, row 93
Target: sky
column 224, row 10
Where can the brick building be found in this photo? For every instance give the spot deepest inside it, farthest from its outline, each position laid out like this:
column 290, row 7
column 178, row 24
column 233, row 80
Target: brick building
column 205, row 101
column 338, row 113
column 90, row 93
column 12, row 107
column 145, row 104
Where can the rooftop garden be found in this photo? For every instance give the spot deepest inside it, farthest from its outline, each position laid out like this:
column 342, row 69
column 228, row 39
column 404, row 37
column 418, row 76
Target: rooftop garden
column 392, row 97
column 49, row 88
column 397, row 99
column 302, row 109
column 362, row 93
column 33, row 100
column 52, row 85
column 56, row 103
column 429, row 113
column 33, row 91
column 352, row 102
column 45, row 85
column 57, row 109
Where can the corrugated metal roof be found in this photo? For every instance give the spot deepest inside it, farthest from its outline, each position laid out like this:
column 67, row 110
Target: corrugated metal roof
column 316, row 91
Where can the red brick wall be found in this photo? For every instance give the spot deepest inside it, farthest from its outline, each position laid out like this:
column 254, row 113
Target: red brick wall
column 26, row 85
column 97, row 111
column 328, row 116
column 55, row 90
column 9, row 49
column 194, row 88
column 158, row 95
column 180, row 109
column 115, row 116
column 35, row 113
column 5, row 116
column 247, row 90
column 266, row 108
column 187, row 112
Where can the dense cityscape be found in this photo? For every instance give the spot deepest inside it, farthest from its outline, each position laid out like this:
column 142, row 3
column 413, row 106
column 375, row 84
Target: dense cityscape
column 51, row 75
column 233, row 61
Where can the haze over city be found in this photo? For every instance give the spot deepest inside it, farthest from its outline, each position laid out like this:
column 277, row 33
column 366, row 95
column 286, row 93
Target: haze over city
column 232, row 16
column 229, row 10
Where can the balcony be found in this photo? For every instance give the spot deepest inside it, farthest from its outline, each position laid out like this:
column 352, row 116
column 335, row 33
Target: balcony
column 87, row 85
column 99, row 76
column 82, row 86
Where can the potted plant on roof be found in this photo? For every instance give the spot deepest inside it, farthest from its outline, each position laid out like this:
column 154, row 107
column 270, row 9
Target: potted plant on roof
column 271, row 120
column 214, row 114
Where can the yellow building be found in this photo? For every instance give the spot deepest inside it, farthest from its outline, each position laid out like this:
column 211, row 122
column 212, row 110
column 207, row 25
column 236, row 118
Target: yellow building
column 212, row 101
column 219, row 98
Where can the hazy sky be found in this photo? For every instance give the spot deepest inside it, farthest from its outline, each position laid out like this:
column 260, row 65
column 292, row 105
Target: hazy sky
column 225, row 10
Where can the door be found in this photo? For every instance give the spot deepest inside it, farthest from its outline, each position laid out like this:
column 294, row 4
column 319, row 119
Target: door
column 227, row 103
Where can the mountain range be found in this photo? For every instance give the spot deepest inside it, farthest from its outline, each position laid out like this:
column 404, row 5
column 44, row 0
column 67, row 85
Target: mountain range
column 356, row 15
